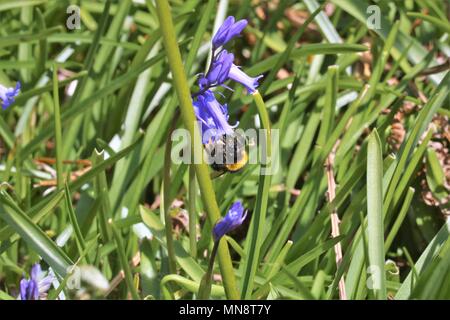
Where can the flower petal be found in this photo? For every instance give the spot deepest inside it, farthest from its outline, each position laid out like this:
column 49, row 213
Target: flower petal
column 233, row 219
column 36, row 271
column 218, row 73
column 250, row 83
column 23, row 289
column 7, row 95
column 212, row 115
column 227, row 31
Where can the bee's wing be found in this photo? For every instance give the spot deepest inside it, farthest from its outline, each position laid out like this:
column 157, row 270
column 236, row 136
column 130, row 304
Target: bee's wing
column 216, row 174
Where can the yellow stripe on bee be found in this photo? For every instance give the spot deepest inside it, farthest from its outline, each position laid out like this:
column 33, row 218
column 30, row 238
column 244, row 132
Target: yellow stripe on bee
column 238, row 165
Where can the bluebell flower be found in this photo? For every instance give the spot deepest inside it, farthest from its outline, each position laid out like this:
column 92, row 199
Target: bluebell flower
column 227, row 31
column 36, row 287
column 213, row 117
column 233, row 219
column 218, row 72
column 222, row 67
column 7, row 95
column 250, row 83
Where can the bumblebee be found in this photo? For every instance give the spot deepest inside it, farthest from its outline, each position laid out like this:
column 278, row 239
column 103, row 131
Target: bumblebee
column 227, row 154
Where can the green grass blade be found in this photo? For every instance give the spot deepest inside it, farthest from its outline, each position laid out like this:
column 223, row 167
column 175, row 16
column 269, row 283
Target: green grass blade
column 375, row 228
column 34, row 236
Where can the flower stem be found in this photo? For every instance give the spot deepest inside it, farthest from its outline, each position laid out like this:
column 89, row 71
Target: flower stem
column 189, row 120
column 255, row 234
column 166, row 203
column 204, row 290
column 192, row 213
